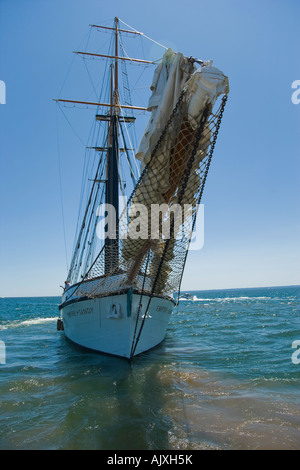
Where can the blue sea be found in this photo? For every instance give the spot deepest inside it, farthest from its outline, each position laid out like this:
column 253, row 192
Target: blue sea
column 223, row 378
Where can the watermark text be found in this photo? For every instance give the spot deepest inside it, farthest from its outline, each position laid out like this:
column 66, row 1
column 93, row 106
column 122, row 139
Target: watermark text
column 296, row 354
column 296, row 93
column 2, row 352
column 158, row 222
column 2, row 92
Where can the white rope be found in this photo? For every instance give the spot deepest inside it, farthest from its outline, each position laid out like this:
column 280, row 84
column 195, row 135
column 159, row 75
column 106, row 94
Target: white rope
column 61, row 192
column 137, row 174
column 142, row 34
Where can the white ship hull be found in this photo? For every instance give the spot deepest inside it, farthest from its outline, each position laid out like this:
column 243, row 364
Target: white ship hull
column 109, row 324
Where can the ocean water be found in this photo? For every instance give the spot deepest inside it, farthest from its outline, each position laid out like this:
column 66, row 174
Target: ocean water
column 222, row 379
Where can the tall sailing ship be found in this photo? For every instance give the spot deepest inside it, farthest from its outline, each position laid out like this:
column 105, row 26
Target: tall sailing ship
column 122, row 287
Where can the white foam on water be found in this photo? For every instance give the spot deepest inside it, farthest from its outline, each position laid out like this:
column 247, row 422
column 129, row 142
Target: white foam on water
column 33, row 321
column 222, row 299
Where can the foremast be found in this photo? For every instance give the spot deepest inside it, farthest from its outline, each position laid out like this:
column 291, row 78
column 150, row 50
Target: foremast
column 113, row 118
column 112, row 170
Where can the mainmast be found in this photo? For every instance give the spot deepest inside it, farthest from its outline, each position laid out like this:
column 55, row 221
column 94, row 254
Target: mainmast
column 113, row 120
column 112, row 173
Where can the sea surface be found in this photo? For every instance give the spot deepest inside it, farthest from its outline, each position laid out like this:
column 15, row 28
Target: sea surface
column 223, row 378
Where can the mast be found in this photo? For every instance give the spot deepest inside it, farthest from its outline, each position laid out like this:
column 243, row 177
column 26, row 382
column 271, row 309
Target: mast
column 112, row 148
column 112, row 171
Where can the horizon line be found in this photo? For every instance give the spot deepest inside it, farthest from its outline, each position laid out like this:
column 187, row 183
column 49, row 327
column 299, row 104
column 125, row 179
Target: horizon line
column 181, row 290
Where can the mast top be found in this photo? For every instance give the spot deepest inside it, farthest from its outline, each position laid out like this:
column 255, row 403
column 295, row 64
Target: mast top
column 116, row 91
column 114, row 101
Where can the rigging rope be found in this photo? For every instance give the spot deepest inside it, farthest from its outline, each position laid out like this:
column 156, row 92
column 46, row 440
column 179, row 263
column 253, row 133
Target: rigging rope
column 61, row 192
column 134, row 341
column 77, row 135
column 180, row 198
column 142, row 34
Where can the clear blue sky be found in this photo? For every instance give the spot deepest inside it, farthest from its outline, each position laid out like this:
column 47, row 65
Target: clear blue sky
column 252, row 229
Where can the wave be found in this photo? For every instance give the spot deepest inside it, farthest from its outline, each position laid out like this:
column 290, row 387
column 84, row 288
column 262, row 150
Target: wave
column 33, row 321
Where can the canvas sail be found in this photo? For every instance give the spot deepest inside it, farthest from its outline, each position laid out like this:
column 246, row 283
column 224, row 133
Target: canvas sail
column 186, row 107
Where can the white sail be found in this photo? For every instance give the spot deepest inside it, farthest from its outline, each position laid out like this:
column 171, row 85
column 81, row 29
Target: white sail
column 175, row 73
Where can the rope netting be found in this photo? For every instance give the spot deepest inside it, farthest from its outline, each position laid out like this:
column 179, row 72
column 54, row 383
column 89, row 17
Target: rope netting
column 156, row 226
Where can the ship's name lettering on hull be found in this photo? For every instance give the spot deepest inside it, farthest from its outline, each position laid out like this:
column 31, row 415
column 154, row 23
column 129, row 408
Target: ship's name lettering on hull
column 163, row 309
column 82, row 311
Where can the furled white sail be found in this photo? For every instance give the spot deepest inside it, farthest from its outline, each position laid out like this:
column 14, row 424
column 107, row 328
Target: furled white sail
column 168, row 81
column 174, row 74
